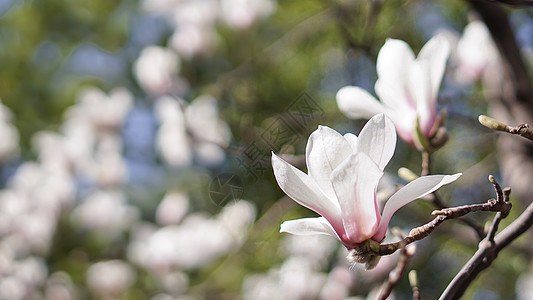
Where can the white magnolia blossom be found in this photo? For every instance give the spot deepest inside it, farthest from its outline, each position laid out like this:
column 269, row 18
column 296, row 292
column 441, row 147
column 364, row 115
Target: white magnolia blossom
column 105, row 112
column 157, row 69
column 173, row 208
column 207, row 238
column 344, row 172
column 476, row 53
column 194, row 21
column 106, row 212
column 191, row 129
column 110, row 278
column 407, row 87
column 242, row 13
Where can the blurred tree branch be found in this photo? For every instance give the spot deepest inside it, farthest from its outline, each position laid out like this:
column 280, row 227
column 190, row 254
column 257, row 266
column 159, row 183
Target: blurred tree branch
column 515, row 2
column 513, row 102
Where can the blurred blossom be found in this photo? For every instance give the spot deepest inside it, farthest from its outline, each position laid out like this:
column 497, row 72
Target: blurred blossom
column 338, row 284
column 172, row 140
column 31, row 205
column 107, row 212
column 89, row 143
column 108, row 166
column 209, row 131
column 242, row 13
column 524, row 286
column 156, row 69
column 196, row 128
column 59, row 287
column 8, row 135
column 477, row 55
column 22, row 278
column 195, row 21
column 206, row 238
column 172, row 208
column 174, row 282
column 68, row 151
column 297, row 278
column 109, row 279
column 407, row 87
column 318, row 247
column 196, row 13
column 105, row 112
column 190, row 40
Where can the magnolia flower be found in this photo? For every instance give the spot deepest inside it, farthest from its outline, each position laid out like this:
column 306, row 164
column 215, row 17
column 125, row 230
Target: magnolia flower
column 341, row 183
column 407, row 87
column 477, row 54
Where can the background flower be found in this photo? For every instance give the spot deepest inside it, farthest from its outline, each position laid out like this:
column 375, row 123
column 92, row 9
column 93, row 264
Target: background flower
column 407, row 87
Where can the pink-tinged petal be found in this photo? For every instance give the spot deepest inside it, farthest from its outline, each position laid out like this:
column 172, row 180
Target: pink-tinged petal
column 308, row 226
column 394, row 58
column 395, row 93
column 435, row 52
column 378, row 140
column 357, row 103
column 355, row 182
column 326, row 149
column 415, row 189
column 420, row 88
column 303, row 189
column 352, row 140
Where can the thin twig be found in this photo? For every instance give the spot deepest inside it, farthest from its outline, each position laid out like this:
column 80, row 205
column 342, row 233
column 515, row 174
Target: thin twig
column 396, row 274
column 426, row 164
column 413, row 281
column 442, row 215
column 437, row 201
column 487, row 251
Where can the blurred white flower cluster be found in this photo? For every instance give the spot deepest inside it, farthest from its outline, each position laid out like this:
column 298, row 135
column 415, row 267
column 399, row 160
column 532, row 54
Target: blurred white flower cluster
column 314, row 268
column 80, row 179
column 193, row 21
column 186, row 241
column 186, row 130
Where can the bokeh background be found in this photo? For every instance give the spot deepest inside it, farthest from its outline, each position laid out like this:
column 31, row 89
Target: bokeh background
column 135, row 142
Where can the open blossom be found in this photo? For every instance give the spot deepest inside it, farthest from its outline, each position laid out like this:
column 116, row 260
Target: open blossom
column 341, row 184
column 477, row 55
column 407, row 87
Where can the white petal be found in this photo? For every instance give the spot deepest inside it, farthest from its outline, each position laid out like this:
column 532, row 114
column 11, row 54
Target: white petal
column 352, row 140
column 303, row 189
column 394, row 58
column 308, row 226
column 412, row 191
column 357, row 103
column 326, row 149
column 420, row 89
column 432, row 63
column 355, row 182
column 378, row 140
column 395, row 93
column 436, row 52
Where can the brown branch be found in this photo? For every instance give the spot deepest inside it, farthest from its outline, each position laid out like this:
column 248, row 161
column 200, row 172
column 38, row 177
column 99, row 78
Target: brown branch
column 487, row 252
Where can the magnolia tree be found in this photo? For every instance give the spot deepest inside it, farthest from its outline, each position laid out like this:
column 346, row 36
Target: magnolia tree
column 248, row 149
